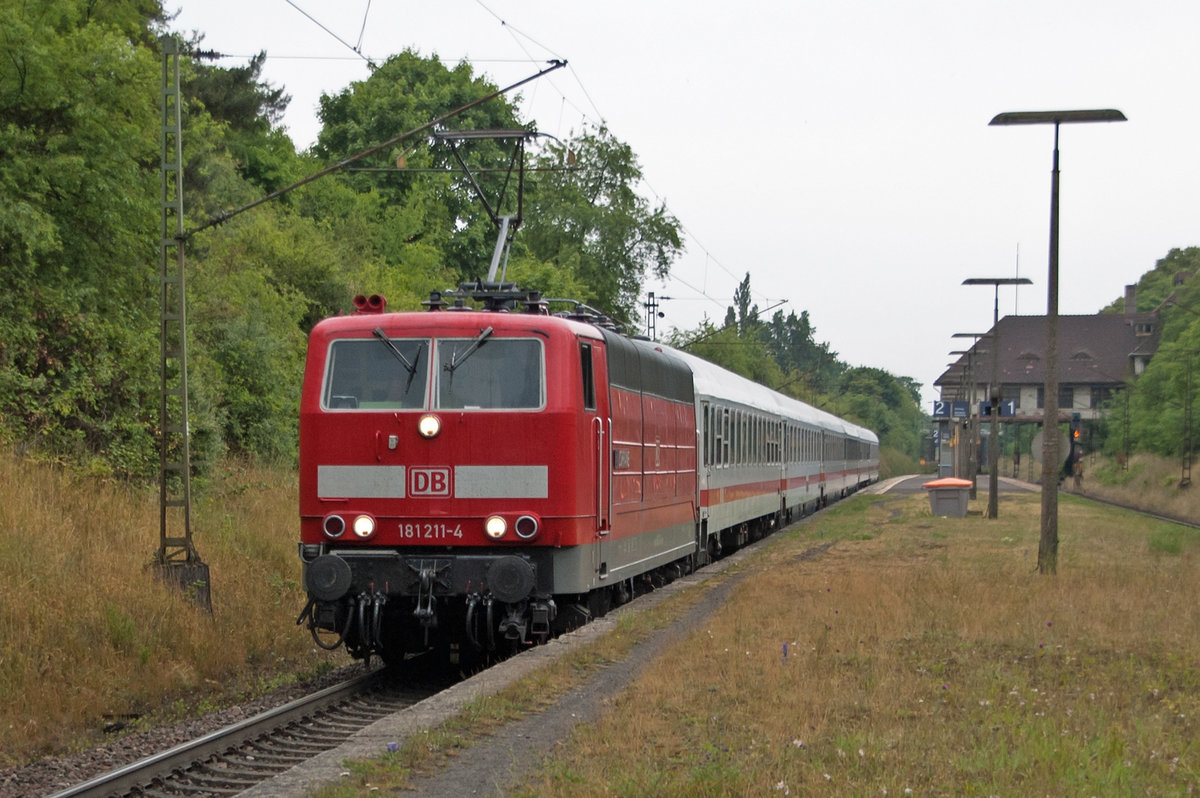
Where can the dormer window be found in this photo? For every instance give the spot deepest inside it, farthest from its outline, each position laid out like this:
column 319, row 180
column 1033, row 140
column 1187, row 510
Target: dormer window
column 1143, row 328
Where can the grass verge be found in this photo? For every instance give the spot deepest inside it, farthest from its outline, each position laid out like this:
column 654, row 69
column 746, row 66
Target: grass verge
column 918, row 655
column 92, row 639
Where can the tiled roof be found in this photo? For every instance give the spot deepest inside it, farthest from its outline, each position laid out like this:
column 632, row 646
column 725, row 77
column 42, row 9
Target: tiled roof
column 1094, row 350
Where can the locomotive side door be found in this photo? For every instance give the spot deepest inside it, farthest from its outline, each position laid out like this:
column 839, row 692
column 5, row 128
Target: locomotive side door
column 598, row 417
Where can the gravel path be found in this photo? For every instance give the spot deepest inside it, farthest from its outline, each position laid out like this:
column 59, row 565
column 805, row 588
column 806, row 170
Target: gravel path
column 503, row 760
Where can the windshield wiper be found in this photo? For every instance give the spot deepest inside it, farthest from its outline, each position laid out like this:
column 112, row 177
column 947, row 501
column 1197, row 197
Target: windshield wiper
column 458, row 358
column 411, row 366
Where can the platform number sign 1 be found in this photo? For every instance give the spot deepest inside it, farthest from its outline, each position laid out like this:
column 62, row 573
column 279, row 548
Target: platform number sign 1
column 941, row 409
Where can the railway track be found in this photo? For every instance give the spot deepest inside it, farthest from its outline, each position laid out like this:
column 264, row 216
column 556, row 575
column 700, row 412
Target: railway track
column 239, row 756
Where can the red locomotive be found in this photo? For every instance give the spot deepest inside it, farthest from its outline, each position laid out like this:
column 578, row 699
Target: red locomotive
column 475, row 478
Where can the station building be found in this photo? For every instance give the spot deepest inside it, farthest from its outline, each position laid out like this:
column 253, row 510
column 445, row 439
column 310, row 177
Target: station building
column 1097, row 355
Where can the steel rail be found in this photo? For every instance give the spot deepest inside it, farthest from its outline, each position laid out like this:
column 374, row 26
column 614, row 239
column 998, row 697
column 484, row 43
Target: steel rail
column 137, row 775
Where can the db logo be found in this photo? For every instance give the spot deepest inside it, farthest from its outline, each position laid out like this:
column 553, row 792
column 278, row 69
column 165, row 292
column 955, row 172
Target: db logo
column 429, row 481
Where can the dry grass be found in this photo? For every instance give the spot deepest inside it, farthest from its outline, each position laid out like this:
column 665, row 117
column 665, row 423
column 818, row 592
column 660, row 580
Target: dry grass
column 919, row 655
column 90, row 635
column 927, row 655
column 1149, row 482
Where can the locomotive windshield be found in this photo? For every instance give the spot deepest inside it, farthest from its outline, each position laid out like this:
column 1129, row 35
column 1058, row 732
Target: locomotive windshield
column 480, row 373
column 376, row 374
column 489, row 373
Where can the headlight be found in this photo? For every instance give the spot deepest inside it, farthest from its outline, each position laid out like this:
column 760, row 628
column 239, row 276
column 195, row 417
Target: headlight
column 495, row 527
column 429, row 426
column 364, row 526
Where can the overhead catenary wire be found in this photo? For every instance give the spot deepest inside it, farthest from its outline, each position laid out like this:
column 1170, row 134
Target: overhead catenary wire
column 223, row 217
column 523, row 41
column 363, row 29
column 339, row 39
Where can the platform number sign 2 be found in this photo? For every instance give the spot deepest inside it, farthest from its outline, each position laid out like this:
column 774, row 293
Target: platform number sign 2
column 941, row 408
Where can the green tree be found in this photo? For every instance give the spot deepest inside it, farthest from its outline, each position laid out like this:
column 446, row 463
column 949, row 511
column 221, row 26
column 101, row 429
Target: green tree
column 791, row 342
column 782, row 355
column 78, row 84
column 246, row 320
column 886, row 404
column 1156, row 400
column 725, row 346
column 1164, row 281
column 250, row 109
column 585, row 213
column 746, row 316
column 404, row 93
column 237, row 95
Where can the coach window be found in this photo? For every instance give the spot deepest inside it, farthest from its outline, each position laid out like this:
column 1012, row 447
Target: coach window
column 725, row 429
column 754, row 439
column 735, row 440
column 706, row 436
column 744, row 431
column 709, row 433
column 753, row 442
column 745, row 437
column 735, row 443
column 589, row 383
column 741, row 436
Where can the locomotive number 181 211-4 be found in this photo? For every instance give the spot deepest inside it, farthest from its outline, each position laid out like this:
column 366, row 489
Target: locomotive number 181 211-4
column 429, row 531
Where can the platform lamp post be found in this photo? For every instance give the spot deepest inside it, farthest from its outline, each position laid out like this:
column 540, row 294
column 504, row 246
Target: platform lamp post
column 1048, row 545
column 972, row 364
column 963, row 364
column 954, row 371
column 994, row 395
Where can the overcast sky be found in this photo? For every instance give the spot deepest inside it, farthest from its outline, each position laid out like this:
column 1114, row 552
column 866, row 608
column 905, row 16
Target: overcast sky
column 838, row 151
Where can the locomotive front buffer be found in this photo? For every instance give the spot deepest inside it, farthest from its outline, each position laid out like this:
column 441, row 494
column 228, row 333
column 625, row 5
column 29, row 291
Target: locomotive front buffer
column 358, row 596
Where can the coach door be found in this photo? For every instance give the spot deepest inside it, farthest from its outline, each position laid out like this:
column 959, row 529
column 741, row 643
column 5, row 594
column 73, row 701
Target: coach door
column 594, row 368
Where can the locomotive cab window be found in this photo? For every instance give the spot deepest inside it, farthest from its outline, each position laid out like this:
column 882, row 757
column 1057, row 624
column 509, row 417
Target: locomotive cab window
column 589, row 381
column 370, row 373
column 488, row 373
